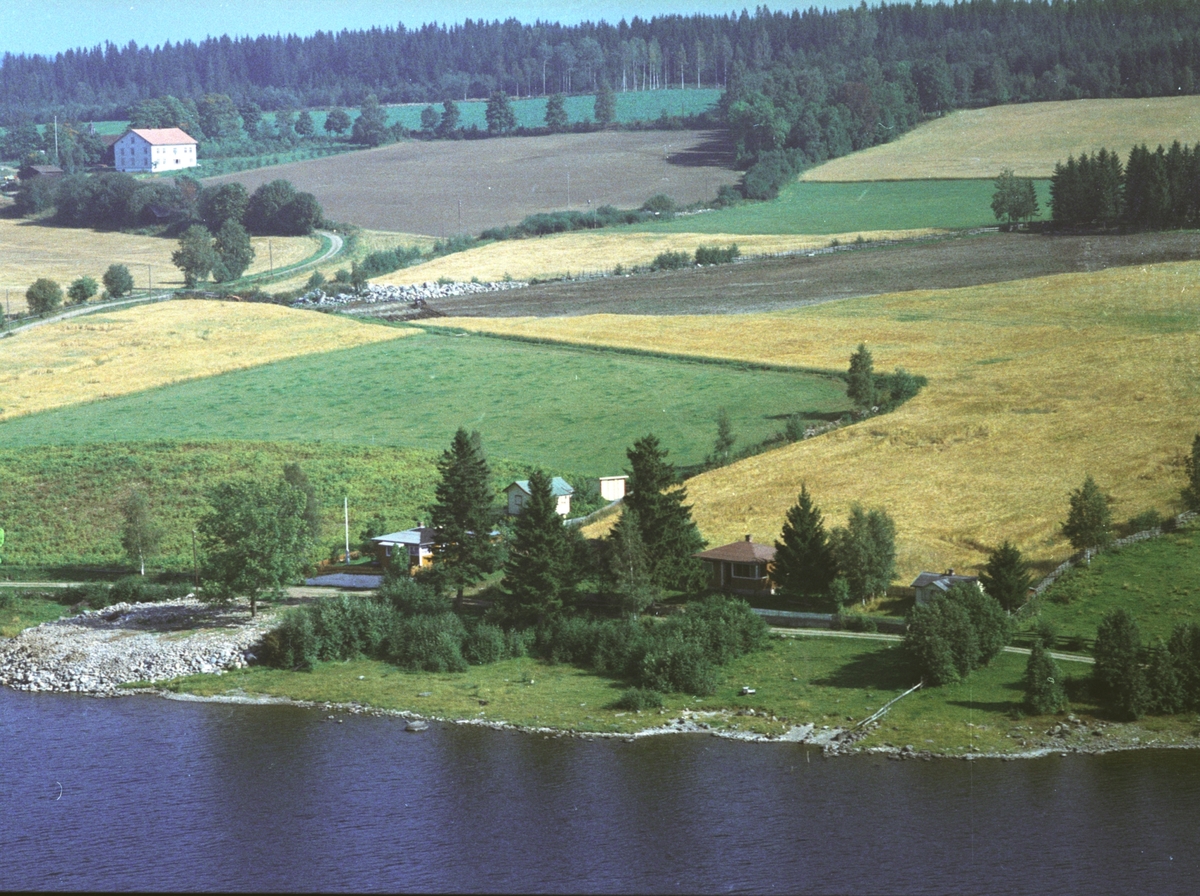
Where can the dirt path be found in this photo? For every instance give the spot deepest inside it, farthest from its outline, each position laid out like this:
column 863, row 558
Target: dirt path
column 876, row 636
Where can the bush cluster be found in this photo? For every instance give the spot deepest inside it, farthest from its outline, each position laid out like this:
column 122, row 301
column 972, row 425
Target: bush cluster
column 717, row 254
column 670, row 261
column 1131, row 679
column 681, row 654
column 385, row 261
column 545, row 223
column 956, row 633
column 126, row 590
column 774, row 169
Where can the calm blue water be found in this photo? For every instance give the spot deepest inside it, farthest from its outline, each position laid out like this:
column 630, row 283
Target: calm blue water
column 161, row 795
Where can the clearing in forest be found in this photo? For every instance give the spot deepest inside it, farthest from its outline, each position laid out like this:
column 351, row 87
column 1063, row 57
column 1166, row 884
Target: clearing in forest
column 448, row 187
column 1027, row 137
column 118, row 352
column 33, row 249
column 1033, row 384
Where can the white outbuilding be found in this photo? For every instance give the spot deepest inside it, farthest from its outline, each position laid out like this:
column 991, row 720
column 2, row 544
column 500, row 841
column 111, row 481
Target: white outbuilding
column 154, row 150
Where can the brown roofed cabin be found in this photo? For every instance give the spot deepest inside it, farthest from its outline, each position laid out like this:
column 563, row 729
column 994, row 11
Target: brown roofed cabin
column 740, row 568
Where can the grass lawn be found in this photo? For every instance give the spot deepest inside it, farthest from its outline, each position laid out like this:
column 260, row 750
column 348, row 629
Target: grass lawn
column 846, row 208
column 1156, row 581
column 21, row 612
column 568, row 408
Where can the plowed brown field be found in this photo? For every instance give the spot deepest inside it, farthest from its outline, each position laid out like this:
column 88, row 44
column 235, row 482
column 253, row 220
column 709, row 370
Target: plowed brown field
column 444, row 187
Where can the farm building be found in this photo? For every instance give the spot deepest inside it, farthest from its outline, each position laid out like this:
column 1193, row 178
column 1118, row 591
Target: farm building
column 929, row 585
column 32, row 171
column 412, row 547
column 740, row 568
column 155, row 149
column 612, row 488
column 518, row 493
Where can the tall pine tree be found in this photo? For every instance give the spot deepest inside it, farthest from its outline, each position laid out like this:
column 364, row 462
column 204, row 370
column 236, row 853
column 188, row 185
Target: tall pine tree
column 537, row 572
column 804, row 563
column 1006, row 576
column 668, row 531
column 462, row 514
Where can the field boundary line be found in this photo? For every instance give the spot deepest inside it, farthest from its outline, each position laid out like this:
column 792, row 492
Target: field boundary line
column 630, row 350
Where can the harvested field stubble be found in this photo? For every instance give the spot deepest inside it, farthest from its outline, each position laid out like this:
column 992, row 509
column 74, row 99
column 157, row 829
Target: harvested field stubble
column 444, row 187
column 29, row 250
column 981, row 142
column 120, row 352
column 599, row 252
column 1032, row 385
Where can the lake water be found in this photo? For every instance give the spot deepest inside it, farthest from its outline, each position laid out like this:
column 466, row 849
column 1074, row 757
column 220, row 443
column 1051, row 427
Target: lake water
column 150, row 794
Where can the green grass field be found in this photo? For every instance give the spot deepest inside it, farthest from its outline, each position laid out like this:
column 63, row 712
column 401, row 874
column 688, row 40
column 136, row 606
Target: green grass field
column 814, row 208
column 576, row 409
column 1157, row 581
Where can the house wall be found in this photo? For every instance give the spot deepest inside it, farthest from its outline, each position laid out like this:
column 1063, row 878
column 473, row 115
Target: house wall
column 721, row 578
column 133, row 153
column 612, row 488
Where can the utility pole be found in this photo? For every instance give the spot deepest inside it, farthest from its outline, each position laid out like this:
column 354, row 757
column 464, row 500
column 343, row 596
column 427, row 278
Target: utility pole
column 346, row 506
column 55, row 139
column 149, row 280
column 568, row 189
column 195, row 564
column 271, row 256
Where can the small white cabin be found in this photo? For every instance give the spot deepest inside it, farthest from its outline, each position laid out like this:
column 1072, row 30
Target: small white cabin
column 155, row 149
column 519, row 494
column 612, row 488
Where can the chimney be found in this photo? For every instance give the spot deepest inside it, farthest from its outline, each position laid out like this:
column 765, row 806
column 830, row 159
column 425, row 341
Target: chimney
column 747, row 538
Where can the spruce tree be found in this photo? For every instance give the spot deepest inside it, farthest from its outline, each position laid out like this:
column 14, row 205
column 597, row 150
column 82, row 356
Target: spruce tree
column 668, row 531
column 1118, row 670
column 298, row 479
column 860, row 380
column 462, row 514
column 804, row 563
column 1006, row 577
column 1089, row 521
column 1191, row 491
column 533, row 584
column 1044, row 692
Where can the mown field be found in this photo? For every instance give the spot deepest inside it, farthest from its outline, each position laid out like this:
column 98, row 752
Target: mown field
column 1033, row 384
column 126, row 351
column 850, row 208
column 442, row 188
column 32, row 249
column 1157, row 581
column 600, row 252
column 533, row 404
column 1029, row 138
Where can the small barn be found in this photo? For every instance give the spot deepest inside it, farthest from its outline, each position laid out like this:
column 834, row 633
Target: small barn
column 929, row 585
column 411, row 549
column 519, row 494
column 742, row 567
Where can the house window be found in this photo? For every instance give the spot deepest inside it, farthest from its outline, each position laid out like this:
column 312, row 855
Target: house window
column 746, row 571
column 387, row 550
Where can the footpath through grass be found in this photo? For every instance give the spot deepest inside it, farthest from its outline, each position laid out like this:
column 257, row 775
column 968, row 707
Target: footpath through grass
column 549, row 405
column 820, row 208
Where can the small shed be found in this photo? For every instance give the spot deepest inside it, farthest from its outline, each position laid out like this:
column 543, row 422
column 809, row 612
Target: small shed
column 48, row 171
column 929, row 585
column 742, row 567
column 413, row 548
column 612, row 488
column 519, row 494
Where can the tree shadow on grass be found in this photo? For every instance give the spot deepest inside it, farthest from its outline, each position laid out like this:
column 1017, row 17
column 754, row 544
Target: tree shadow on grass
column 997, row 706
column 885, row 670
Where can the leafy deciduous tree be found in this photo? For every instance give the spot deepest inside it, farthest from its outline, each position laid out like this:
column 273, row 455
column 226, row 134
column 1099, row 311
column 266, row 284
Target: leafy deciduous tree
column 82, row 289
column 605, row 108
column 1089, row 521
column 43, row 296
column 195, row 255
column 224, row 202
column 117, row 280
column 140, row 534
column 1191, row 491
column 370, row 128
column 1118, row 670
column 233, row 250
column 865, row 551
column 337, row 121
column 499, row 114
column 255, row 539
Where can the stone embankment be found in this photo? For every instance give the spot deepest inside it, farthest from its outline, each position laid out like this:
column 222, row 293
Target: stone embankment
column 414, row 296
column 99, row 650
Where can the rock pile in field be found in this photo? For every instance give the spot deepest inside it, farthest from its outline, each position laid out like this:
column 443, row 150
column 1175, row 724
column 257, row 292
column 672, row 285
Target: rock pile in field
column 98, row 650
column 416, row 295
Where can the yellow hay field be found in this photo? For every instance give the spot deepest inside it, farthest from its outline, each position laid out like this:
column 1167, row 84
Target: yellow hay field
column 1033, row 385
column 1028, row 138
column 106, row 354
column 585, row 252
column 29, row 250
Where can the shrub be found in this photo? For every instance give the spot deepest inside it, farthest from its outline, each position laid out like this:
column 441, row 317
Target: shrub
column 43, row 295
column 293, row 644
column 136, row 590
column 674, row 664
column 429, row 643
column 765, row 177
column 1149, row 519
column 484, row 644
column 411, row 596
column 670, row 261
column 316, row 280
column 81, row 290
column 660, row 204
column 117, row 280
column 1044, row 691
column 638, row 699
column 716, row 254
column 941, row 642
column 854, row 622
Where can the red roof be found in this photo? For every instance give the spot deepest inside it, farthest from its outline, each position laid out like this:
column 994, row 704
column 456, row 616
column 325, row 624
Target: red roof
column 740, row 552
column 163, row 136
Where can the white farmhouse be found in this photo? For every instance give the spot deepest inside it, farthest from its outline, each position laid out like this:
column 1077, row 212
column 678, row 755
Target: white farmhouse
column 155, row 149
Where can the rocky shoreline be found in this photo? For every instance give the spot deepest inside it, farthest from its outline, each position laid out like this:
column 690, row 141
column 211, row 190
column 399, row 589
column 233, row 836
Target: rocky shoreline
column 101, row 652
